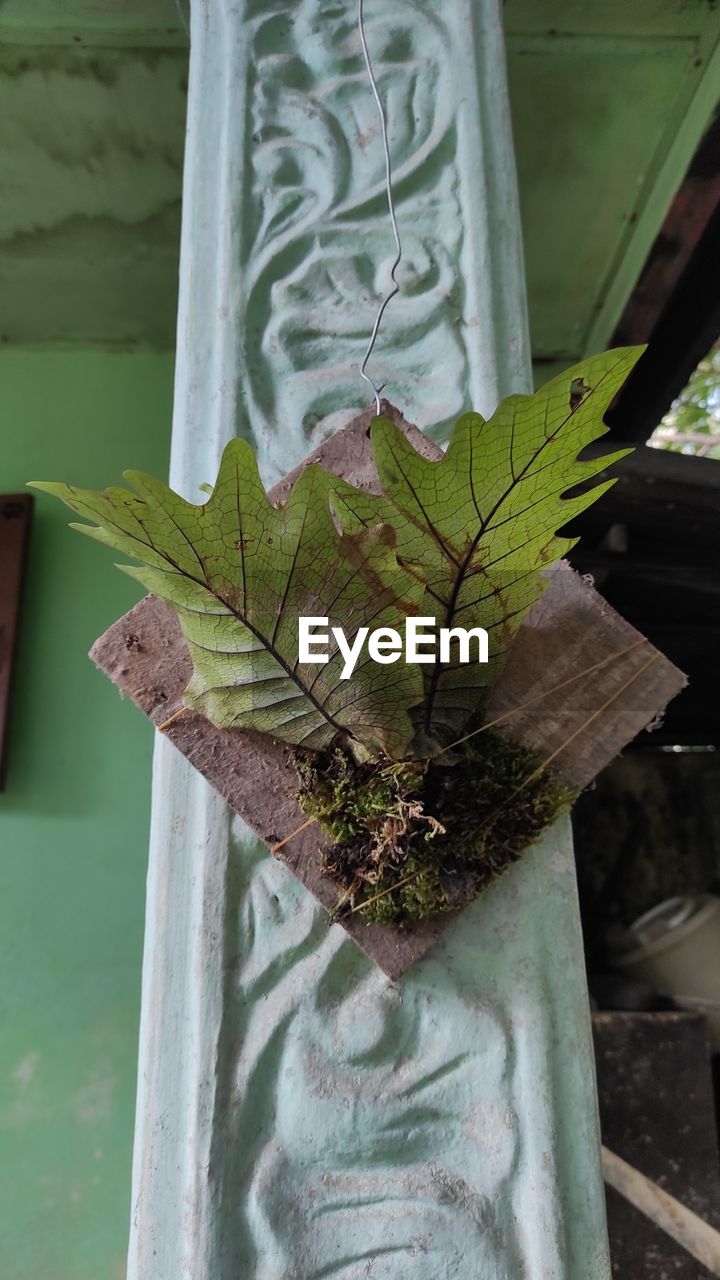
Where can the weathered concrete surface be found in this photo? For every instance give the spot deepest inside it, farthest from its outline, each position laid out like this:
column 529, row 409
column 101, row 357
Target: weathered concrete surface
column 299, row 1115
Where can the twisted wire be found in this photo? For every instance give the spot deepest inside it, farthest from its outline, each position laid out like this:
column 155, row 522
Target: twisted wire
column 391, row 209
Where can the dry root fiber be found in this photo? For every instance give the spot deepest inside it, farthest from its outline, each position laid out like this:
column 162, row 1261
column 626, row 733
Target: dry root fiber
column 414, row 838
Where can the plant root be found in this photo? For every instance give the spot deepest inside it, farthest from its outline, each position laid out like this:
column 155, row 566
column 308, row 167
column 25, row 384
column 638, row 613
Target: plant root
column 413, row 838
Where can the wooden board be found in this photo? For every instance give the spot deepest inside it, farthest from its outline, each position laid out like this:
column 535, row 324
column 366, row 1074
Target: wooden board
column 570, row 629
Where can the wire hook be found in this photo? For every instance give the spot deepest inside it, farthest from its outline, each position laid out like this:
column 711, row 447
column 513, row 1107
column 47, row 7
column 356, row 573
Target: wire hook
column 391, row 209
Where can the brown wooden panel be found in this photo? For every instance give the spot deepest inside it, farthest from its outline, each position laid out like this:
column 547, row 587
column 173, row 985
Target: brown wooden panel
column 15, row 512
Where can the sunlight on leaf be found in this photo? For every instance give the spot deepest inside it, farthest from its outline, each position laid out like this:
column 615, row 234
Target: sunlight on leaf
column 692, row 423
column 480, row 525
column 464, row 540
column 240, row 572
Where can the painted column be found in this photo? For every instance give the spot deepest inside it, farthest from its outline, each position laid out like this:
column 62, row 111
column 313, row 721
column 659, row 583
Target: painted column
column 299, row 1115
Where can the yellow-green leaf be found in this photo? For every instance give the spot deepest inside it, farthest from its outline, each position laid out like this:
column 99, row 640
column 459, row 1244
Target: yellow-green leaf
column 480, row 525
column 240, row 573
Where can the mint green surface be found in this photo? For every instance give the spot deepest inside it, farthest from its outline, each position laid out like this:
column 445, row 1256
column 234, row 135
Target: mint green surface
column 300, row 1116
column 73, row 831
column 608, row 103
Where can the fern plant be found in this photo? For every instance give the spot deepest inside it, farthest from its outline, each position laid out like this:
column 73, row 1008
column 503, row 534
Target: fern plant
column 464, row 540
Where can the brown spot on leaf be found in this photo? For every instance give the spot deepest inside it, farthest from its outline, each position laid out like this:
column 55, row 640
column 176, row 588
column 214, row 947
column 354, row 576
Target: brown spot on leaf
column 578, row 391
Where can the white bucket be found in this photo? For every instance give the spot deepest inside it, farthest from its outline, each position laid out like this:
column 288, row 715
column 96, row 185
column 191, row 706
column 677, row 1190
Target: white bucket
column 676, row 949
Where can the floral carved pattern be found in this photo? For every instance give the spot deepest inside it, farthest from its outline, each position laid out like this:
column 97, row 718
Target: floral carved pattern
column 305, row 1118
column 358, row 1138
column 317, row 240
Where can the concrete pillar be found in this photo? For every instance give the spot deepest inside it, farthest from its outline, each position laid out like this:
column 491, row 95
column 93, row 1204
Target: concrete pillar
column 299, row 1115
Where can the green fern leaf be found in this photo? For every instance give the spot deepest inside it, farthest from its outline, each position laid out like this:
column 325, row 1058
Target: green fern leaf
column 480, row 526
column 240, row 572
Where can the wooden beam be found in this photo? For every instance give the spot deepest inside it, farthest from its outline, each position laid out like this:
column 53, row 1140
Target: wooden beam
column 683, row 334
column 688, row 217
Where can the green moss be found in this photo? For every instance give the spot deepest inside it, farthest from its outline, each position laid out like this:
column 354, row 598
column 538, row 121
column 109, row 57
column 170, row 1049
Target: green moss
column 414, row 838
column 349, row 799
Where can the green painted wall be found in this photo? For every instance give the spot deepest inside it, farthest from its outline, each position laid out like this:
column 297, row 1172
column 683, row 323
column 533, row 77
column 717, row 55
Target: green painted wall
column 73, row 829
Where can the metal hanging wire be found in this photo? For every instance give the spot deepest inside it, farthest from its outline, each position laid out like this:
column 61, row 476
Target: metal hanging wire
column 391, row 209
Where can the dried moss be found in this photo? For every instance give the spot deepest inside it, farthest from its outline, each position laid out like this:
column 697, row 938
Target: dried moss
column 412, row 839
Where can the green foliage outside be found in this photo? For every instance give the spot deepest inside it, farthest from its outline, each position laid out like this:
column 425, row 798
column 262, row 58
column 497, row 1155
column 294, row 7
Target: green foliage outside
column 692, row 424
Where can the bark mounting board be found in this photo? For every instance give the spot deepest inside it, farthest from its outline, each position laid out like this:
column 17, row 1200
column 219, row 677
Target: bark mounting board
column 570, row 629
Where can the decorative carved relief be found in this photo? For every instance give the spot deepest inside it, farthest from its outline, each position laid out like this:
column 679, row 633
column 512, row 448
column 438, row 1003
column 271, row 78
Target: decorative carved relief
column 358, row 1136
column 367, row 1129
column 363, row 1128
column 338, row 1126
column 318, row 240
